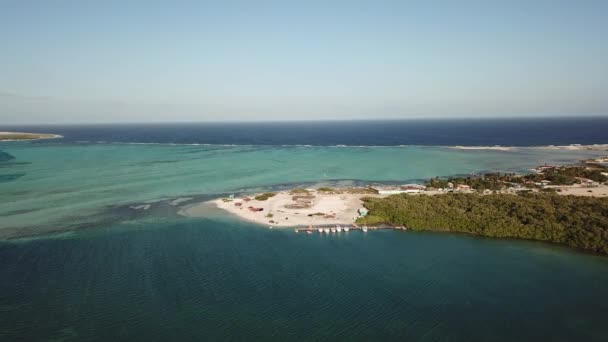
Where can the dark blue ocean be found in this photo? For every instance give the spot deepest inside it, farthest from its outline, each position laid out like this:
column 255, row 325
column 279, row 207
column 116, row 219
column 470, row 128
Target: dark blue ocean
column 469, row 132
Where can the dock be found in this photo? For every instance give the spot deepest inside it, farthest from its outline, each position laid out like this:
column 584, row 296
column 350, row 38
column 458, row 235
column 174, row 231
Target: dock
column 337, row 228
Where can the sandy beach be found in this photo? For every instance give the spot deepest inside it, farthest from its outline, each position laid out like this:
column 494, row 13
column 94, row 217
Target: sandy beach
column 573, row 147
column 287, row 209
column 577, row 147
column 580, row 190
column 278, row 210
column 494, row 148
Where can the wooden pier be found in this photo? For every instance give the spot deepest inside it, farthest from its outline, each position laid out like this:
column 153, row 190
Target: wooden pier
column 327, row 228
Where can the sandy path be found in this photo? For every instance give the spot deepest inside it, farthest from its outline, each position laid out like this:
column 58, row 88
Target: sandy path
column 577, row 190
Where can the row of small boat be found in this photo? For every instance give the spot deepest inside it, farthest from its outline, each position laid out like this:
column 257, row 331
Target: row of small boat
column 337, row 229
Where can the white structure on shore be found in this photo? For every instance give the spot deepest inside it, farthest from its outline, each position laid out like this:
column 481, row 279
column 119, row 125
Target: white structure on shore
column 403, row 189
column 362, row 212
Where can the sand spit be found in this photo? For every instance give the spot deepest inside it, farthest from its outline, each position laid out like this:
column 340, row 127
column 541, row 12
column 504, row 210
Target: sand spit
column 19, row 136
column 572, row 147
column 494, row 148
column 286, row 209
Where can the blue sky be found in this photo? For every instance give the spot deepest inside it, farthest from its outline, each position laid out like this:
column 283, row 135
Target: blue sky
column 130, row 61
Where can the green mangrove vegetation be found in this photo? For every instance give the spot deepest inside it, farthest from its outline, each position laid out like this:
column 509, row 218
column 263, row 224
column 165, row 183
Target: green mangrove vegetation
column 568, row 175
column 299, row 191
column 553, row 175
column 350, row 190
column 264, row 196
column 575, row 221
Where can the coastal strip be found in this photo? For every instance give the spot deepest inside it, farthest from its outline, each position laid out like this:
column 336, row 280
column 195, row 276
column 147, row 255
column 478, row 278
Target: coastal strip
column 571, row 147
column 576, row 147
column 20, row 136
column 292, row 208
column 344, row 206
column 492, row 148
column 559, row 204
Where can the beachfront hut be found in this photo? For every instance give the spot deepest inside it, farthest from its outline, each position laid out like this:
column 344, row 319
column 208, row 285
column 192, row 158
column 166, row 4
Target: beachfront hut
column 388, row 190
column 587, row 182
column 412, row 188
column 363, row 212
column 463, row 187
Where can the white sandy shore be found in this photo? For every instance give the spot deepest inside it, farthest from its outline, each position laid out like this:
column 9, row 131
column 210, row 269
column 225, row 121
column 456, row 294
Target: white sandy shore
column 494, row 148
column 573, row 147
column 580, row 190
column 337, row 209
column 576, row 147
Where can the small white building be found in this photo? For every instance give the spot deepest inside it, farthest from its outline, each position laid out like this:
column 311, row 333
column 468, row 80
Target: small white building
column 413, row 188
column 544, row 168
column 404, row 189
column 362, row 212
column 463, row 187
column 386, row 190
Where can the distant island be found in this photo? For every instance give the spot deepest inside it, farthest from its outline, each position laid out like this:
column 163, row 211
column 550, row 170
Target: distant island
column 16, row 136
column 560, row 204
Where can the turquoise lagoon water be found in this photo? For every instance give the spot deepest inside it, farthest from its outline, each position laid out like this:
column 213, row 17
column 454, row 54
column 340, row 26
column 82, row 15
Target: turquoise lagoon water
column 56, row 185
column 151, row 275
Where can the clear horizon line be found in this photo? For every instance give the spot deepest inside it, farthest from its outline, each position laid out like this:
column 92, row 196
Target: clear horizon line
column 434, row 118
